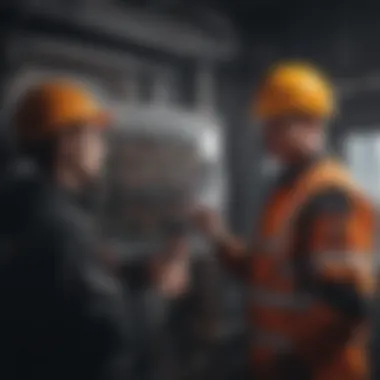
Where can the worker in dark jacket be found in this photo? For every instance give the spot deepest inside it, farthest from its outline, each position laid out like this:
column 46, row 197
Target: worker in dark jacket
column 62, row 314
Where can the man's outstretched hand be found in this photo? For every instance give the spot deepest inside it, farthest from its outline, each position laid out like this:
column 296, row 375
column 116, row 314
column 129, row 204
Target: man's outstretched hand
column 210, row 223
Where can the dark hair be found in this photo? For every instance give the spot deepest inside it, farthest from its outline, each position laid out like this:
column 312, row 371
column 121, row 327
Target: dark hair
column 42, row 153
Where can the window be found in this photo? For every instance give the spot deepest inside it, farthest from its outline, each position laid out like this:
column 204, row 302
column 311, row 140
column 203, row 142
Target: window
column 363, row 156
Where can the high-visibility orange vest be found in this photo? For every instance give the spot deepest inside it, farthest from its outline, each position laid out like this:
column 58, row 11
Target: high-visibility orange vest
column 278, row 307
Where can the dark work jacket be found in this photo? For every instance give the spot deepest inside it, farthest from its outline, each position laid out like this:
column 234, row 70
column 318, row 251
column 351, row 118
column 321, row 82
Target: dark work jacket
column 62, row 316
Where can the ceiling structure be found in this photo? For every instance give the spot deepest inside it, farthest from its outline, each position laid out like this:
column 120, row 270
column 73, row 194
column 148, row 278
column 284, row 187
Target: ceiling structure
column 333, row 33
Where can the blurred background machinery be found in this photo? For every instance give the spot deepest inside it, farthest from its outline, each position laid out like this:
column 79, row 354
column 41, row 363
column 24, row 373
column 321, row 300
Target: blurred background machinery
column 162, row 163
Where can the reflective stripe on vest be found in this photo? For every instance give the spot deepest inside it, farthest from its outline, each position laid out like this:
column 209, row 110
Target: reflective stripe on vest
column 342, row 257
column 323, row 259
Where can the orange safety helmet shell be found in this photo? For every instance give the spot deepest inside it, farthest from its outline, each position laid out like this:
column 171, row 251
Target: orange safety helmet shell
column 53, row 107
column 294, row 89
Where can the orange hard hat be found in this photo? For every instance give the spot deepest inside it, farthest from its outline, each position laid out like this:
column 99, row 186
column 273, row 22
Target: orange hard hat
column 52, row 107
column 294, row 89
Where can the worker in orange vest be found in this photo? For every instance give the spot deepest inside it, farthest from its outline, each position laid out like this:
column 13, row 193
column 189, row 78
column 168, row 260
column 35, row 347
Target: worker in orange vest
column 309, row 268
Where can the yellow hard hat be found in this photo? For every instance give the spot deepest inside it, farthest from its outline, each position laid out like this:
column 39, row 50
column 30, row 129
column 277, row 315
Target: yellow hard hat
column 55, row 106
column 294, row 89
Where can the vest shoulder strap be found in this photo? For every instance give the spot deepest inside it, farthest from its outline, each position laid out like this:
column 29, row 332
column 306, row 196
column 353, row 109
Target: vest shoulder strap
column 322, row 176
column 325, row 174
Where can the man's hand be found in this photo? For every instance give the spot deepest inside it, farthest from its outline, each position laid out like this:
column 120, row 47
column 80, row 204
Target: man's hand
column 171, row 271
column 174, row 279
column 210, row 223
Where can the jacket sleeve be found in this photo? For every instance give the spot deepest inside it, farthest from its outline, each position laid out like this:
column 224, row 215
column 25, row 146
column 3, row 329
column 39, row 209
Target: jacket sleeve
column 93, row 300
column 340, row 244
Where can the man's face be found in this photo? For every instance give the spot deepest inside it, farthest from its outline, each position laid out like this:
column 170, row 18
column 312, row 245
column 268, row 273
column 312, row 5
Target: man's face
column 92, row 148
column 85, row 148
column 293, row 136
